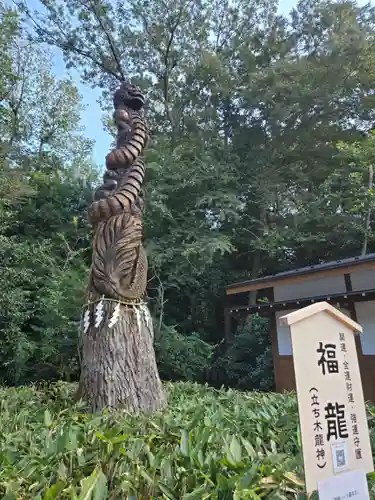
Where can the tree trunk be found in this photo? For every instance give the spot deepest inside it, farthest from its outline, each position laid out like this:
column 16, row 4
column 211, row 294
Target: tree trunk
column 119, row 368
column 252, row 298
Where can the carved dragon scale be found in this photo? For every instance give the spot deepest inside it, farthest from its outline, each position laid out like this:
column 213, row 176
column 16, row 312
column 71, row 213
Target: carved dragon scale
column 118, row 366
column 119, row 265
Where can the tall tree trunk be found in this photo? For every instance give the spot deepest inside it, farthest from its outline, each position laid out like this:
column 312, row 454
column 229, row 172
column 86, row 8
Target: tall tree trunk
column 252, row 298
column 118, row 360
column 255, row 269
column 118, row 367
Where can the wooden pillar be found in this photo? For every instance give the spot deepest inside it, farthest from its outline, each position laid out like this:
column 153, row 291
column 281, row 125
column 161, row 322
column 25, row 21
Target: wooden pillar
column 275, row 352
column 275, row 347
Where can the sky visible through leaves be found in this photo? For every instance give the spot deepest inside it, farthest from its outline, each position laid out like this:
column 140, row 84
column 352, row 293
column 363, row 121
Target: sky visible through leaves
column 92, row 114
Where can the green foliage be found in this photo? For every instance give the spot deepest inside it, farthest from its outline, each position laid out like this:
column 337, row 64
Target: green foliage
column 247, row 364
column 40, row 304
column 359, row 195
column 207, row 444
column 57, row 324
column 260, row 158
column 246, row 108
column 45, row 178
column 9, row 27
column 22, row 270
column 181, row 357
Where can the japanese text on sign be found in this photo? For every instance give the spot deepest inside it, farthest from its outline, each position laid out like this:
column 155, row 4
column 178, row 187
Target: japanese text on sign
column 336, row 423
column 318, row 428
column 349, row 390
column 334, row 430
column 328, row 361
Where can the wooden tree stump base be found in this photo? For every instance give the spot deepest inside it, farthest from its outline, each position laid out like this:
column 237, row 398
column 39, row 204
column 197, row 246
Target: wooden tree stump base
column 119, row 369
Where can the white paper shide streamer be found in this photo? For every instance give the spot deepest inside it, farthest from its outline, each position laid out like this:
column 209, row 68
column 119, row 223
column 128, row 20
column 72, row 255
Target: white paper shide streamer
column 99, row 314
column 86, row 320
column 115, row 316
column 138, row 316
column 141, row 312
column 147, row 317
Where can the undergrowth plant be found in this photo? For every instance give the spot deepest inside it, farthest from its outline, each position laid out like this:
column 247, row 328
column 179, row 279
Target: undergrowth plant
column 208, row 444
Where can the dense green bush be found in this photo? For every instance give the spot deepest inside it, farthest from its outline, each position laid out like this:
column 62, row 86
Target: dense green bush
column 23, row 269
column 207, row 444
column 40, row 307
column 181, row 357
column 247, row 364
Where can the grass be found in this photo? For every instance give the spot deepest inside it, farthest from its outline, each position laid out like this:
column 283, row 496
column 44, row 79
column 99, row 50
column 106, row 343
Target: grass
column 208, row 445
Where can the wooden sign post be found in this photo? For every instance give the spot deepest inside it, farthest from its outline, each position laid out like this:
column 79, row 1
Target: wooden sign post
column 334, row 430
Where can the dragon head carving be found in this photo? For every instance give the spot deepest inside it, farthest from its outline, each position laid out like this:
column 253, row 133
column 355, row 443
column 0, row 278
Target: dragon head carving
column 128, row 95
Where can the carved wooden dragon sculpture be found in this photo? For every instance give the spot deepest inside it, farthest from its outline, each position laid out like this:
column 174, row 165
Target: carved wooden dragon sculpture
column 118, row 368
column 119, row 263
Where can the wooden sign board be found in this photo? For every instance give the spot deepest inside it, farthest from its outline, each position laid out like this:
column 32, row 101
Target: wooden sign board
column 334, row 430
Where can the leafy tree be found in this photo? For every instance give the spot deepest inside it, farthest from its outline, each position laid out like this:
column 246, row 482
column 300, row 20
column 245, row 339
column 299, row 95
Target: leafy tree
column 45, row 191
column 358, row 197
column 182, row 357
column 248, row 363
column 260, row 157
column 185, row 203
column 9, row 24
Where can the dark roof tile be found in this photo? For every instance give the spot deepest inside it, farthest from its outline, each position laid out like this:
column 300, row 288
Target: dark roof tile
column 308, row 270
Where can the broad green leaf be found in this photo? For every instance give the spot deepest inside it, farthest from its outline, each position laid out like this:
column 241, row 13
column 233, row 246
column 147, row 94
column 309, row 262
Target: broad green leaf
column 197, row 494
column 294, row 479
column 81, row 457
column 47, row 418
column 185, row 443
column 167, row 491
column 249, row 448
column 101, row 487
column 62, row 471
column 94, row 486
column 248, row 477
column 54, row 490
column 146, row 476
column 235, row 449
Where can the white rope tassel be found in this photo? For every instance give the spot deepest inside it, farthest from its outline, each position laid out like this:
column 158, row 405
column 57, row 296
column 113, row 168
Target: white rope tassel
column 147, row 318
column 86, row 320
column 99, row 314
column 115, row 315
column 138, row 317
